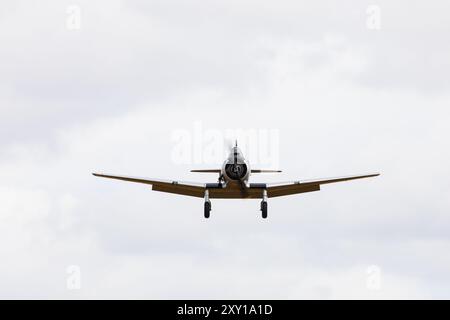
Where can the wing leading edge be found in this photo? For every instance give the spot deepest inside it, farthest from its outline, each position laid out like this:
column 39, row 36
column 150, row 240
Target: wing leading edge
column 255, row 190
column 177, row 187
column 294, row 187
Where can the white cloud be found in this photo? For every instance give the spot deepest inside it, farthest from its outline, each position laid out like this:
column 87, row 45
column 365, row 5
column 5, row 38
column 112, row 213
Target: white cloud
column 109, row 97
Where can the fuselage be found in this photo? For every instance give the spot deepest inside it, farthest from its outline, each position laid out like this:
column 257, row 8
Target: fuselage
column 236, row 168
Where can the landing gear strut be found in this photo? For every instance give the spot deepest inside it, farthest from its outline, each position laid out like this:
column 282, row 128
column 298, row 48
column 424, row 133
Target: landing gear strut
column 207, row 205
column 264, row 205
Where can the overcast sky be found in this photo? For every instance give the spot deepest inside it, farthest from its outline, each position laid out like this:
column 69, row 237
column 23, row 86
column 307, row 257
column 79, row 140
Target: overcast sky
column 348, row 87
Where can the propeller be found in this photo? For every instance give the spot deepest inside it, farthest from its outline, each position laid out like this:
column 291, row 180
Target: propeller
column 221, row 179
column 230, row 145
column 242, row 185
column 243, row 188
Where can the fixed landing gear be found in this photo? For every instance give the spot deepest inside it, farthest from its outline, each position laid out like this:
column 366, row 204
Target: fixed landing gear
column 207, row 205
column 264, row 209
column 207, row 209
column 264, row 205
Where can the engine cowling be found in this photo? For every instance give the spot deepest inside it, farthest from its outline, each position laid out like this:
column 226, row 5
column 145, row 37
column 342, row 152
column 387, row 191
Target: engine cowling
column 236, row 171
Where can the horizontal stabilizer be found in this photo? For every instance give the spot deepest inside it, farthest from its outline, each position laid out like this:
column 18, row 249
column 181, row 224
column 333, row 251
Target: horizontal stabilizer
column 207, row 170
column 265, row 171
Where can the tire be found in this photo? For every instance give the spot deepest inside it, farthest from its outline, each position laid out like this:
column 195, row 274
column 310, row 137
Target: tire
column 264, row 209
column 207, row 209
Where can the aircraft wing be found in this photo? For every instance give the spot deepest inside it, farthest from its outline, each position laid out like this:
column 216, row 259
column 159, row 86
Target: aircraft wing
column 184, row 188
column 255, row 191
column 294, row 187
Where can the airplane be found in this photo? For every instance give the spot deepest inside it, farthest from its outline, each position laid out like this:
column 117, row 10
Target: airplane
column 233, row 183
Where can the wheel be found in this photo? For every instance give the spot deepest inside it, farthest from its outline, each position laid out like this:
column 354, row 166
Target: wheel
column 264, row 209
column 207, row 209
